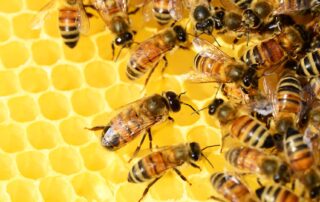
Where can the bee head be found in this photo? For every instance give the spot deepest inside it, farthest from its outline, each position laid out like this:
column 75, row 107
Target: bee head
column 195, row 151
column 181, row 33
column 201, row 13
column 250, row 78
column 173, row 101
column 214, row 106
column 123, row 39
column 251, row 20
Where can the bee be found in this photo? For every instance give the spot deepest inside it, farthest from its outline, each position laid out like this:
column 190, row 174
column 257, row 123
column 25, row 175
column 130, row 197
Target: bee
column 297, row 152
column 276, row 193
column 154, row 165
column 275, row 50
column 309, row 65
column 254, row 161
column 73, row 19
column 148, row 54
column 114, row 14
column 288, row 104
column 138, row 118
column 230, row 187
column 311, row 181
column 213, row 65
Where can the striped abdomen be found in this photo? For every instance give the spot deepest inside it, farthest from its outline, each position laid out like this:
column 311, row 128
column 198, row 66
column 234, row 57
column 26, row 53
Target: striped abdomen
column 267, row 53
column 161, row 11
column 294, row 5
column 245, row 158
column 243, row 4
column 251, row 132
column 69, row 25
column 276, row 193
column 297, row 151
column 310, row 64
column 230, row 187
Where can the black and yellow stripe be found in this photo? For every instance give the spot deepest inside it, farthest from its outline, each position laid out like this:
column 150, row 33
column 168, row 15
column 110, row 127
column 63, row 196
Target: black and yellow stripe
column 69, row 26
column 309, row 65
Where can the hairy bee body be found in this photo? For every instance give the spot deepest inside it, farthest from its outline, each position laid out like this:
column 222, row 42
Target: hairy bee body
column 309, row 65
column 230, row 187
column 276, row 193
column 161, row 10
column 297, row 151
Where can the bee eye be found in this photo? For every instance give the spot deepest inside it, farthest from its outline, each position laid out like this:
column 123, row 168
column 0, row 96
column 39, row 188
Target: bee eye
column 128, row 36
column 173, row 102
column 119, row 40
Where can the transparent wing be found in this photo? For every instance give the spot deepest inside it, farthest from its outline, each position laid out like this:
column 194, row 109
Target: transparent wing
column 176, row 9
column 230, row 6
column 38, row 20
column 123, row 4
column 147, row 10
column 84, row 24
column 200, row 77
column 284, row 7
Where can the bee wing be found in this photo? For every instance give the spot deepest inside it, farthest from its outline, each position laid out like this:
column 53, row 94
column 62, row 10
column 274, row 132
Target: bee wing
column 44, row 12
column 123, row 4
column 200, row 77
column 282, row 8
column 147, row 10
column 176, row 9
column 228, row 5
column 84, row 24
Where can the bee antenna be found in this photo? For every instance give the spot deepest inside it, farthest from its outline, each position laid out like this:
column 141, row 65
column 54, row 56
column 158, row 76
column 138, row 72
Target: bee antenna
column 119, row 54
column 183, row 93
column 199, row 110
column 173, row 24
column 215, row 39
column 210, row 146
column 207, row 159
column 193, row 109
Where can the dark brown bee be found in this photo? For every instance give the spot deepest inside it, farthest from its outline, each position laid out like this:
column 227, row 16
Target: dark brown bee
column 254, row 161
column 230, row 187
column 289, row 102
column 114, row 14
column 297, row 152
column 154, row 165
column 137, row 118
column 276, row 193
column 149, row 52
column 309, row 65
column 72, row 19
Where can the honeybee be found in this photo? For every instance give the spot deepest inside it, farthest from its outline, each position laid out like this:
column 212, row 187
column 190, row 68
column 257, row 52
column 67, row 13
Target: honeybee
column 254, row 161
column 288, row 105
column 230, row 187
column 137, row 118
column 148, row 54
column 309, row 65
column 311, row 181
column 275, row 50
column 297, row 152
column 154, row 165
column 73, row 19
column 114, row 14
column 276, row 193
column 213, row 65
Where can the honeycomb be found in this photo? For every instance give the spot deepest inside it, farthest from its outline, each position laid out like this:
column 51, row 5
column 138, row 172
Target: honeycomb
column 50, row 93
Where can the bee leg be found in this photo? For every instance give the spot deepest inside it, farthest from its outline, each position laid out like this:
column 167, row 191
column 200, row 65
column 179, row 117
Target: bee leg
column 216, row 198
column 222, row 141
column 293, row 185
column 150, row 138
column 149, row 75
column 138, row 148
column 148, row 187
column 182, row 176
column 195, row 165
column 259, row 182
column 165, row 64
column 96, row 128
column 113, row 49
column 171, row 119
column 134, row 11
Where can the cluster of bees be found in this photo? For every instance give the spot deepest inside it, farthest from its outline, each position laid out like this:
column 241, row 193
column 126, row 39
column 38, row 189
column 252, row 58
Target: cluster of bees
column 269, row 100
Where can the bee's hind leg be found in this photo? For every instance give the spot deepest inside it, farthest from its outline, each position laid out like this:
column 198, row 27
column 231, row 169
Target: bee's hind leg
column 182, row 176
column 96, row 128
column 150, row 138
column 138, row 148
column 148, row 187
column 165, row 64
column 149, row 75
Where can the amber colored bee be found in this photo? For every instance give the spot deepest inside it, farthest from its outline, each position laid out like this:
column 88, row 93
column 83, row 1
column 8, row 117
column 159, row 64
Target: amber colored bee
column 115, row 15
column 309, row 65
column 138, row 117
column 72, row 19
column 297, row 152
column 154, row 165
column 276, row 193
column 254, row 161
column 149, row 52
column 289, row 102
column 230, row 187
column 213, row 65
column 275, row 50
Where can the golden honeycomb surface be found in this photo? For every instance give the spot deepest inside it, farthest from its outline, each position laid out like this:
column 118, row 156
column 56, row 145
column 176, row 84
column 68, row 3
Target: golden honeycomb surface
column 50, row 93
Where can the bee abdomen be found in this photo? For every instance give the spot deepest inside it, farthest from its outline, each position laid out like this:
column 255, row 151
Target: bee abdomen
column 138, row 173
column 134, row 70
column 161, row 12
column 276, row 194
column 207, row 65
column 69, row 26
column 310, row 64
column 243, row 4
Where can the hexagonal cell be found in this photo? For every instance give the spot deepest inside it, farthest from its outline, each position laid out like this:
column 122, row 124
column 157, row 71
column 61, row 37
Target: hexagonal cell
column 118, row 95
column 11, row 6
column 104, row 46
column 23, row 108
column 12, row 138
column 201, row 188
column 92, row 187
column 5, row 29
column 116, row 169
column 87, row 102
column 66, row 77
column 4, row 196
column 163, row 83
column 95, row 157
column 54, row 105
column 55, row 189
column 35, row 4
column 42, row 135
column 14, row 54
column 180, row 66
column 7, row 167
column 21, row 27
column 84, row 50
column 45, row 52
column 73, row 131
column 9, row 83
column 33, row 164
column 51, row 26
column 4, row 114
column 205, row 136
column 65, row 160
column 126, row 192
column 34, row 79
column 166, row 134
column 200, row 91
column 100, row 74
column 23, row 190
column 186, row 115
